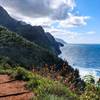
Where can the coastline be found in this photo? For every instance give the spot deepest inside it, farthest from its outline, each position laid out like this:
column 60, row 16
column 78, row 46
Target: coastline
column 95, row 72
column 88, row 71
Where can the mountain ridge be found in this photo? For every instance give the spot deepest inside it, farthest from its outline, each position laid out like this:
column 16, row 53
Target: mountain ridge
column 34, row 34
column 20, row 51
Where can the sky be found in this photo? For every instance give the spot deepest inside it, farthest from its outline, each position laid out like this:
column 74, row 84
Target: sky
column 75, row 21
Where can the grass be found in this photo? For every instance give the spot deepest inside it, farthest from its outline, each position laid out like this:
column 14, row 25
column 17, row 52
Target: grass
column 47, row 89
column 44, row 88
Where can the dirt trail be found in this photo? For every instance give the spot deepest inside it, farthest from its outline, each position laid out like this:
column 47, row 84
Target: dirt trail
column 13, row 89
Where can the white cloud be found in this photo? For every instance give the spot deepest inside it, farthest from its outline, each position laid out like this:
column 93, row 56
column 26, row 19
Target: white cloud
column 46, row 13
column 74, row 21
column 73, row 36
column 62, row 33
column 32, row 8
column 71, row 3
column 39, row 8
column 91, row 32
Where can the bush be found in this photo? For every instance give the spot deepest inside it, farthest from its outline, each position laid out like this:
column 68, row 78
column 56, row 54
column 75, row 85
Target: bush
column 21, row 74
column 92, row 91
column 5, row 70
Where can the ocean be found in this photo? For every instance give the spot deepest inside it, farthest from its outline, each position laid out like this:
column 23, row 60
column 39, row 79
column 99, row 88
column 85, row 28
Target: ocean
column 85, row 57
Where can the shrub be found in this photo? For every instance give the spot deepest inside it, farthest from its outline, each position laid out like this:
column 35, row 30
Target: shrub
column 21, row 74
column 89, row 79
column 92, row 91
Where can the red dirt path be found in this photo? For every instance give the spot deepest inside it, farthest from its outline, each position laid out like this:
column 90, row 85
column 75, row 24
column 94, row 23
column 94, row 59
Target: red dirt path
column 13, row 89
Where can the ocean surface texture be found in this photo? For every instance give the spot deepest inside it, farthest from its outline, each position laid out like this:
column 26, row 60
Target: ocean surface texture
column 85, row 57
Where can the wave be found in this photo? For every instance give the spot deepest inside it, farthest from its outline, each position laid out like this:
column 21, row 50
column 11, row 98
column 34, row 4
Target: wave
column 86, row 58
column 95, row 72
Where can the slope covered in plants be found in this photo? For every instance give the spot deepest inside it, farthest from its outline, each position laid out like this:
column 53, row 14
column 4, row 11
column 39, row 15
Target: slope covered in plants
column 20, row 51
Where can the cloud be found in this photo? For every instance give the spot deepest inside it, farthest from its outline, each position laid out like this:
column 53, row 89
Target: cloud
column 44, row 12
column 63, row 34
column 56, row 16
column 60, row 13
column 40, row 8
column 74, row 21
column 91, row 32
column 32, row 8
column 72, row 36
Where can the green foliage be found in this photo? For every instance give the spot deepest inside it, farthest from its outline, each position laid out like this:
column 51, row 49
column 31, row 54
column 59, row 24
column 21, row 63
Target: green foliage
column 98, row 84
column 42, row 87
column 92, row 91
column 6, row 70
column 45, row 88
column 51, row 84
column 89, row 79
column 2, row 71
column 23, row 52
column 21, row 74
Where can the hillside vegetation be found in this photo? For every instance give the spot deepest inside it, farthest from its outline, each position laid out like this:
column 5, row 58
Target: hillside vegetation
column 48, row 87
column 42, row 87
column 34, row 34
column 20, row 51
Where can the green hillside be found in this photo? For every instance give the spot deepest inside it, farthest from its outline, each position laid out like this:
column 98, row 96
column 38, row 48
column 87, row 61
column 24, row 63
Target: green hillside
column 34, row 34
column 20, row 51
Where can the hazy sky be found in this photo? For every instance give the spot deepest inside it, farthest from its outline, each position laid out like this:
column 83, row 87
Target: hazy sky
column 75, row 21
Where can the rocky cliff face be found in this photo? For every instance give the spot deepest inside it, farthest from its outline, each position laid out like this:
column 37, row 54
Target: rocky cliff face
column 34, row 34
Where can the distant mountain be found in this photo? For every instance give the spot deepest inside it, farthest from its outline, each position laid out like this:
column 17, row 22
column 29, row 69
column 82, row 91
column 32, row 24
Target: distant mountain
column 20, row 51
column 34, row 34
column 62, row 42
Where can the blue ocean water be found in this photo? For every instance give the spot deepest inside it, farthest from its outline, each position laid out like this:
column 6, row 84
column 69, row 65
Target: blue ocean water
column 85, row 57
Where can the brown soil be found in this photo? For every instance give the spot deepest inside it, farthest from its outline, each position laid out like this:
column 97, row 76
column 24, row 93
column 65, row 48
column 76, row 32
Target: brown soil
column 13, row 89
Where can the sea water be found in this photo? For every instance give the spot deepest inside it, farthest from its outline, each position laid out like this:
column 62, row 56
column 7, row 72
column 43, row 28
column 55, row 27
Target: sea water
column 85, row 57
